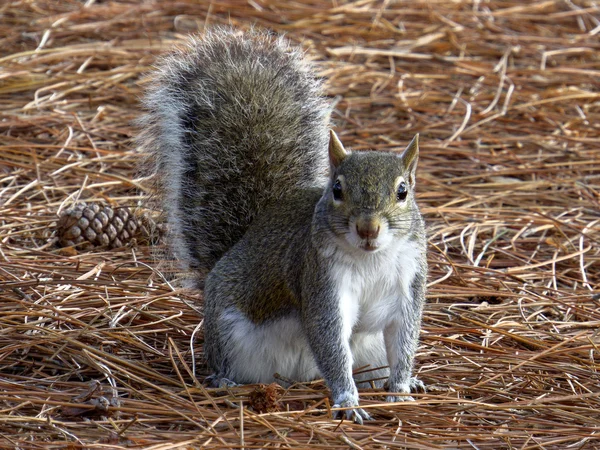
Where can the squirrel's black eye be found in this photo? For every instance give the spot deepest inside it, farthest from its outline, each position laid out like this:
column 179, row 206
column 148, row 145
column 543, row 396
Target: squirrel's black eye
column 402, row 192
column 337, row 190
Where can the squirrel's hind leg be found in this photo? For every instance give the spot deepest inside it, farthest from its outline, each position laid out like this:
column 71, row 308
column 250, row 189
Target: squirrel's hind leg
column 245, row 352
column 369, row 355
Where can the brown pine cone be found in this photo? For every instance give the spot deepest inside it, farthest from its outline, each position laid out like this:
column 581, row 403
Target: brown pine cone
column 93, row 225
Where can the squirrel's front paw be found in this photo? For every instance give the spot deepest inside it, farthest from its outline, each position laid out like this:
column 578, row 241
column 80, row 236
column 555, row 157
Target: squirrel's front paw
column 413, row 385
column 350, row 400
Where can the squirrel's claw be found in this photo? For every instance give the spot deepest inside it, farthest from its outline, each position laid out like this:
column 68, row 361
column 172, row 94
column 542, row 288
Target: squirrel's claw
column 417, row 385
column 399, row 398
column 357, row 415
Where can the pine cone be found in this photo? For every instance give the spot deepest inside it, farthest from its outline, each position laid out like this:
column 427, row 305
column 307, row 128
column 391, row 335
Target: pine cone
column 88, row 226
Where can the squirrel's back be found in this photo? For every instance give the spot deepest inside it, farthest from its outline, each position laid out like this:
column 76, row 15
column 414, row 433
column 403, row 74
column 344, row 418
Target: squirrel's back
column 233, row 122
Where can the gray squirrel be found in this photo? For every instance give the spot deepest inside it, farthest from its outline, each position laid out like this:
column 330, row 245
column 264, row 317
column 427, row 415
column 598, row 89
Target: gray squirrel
column 312, row 257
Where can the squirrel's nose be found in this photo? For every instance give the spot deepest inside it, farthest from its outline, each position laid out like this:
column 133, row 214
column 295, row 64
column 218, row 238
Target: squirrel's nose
column 368, row 229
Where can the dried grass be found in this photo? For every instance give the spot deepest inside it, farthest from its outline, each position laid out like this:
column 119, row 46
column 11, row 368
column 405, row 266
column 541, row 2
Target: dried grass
column 506, row 97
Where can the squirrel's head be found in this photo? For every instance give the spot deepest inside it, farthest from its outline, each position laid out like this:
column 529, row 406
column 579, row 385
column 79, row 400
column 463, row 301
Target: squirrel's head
column 370, row 198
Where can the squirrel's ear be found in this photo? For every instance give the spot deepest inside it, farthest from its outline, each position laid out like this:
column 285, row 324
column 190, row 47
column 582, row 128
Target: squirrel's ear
column 410, row 157
column 337, row 152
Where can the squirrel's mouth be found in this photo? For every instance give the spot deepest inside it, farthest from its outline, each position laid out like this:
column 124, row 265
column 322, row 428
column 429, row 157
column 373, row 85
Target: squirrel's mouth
column 369, row 246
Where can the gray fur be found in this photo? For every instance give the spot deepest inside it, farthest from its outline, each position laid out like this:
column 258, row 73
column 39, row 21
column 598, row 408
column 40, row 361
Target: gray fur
column 233, row 121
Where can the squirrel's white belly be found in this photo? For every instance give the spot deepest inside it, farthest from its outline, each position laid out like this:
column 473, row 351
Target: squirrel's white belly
column 257, row 352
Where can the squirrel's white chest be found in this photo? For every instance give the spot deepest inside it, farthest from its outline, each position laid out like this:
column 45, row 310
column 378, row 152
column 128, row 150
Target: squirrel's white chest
column 376, row 290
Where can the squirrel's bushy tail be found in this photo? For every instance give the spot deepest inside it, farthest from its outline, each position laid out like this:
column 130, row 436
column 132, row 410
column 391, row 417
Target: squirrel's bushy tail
column 232, row 122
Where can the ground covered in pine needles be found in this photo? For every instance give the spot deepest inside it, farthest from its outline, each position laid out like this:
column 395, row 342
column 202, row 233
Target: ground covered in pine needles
column 97, row 345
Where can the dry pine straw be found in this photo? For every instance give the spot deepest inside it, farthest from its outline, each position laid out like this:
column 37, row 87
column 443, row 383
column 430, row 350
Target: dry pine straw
column 506, row 97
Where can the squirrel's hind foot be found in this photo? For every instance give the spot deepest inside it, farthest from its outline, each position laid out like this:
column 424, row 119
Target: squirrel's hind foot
column 217, row 381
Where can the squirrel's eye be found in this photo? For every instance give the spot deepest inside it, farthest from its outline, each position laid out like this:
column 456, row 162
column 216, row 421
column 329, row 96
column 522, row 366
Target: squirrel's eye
column 337, row 190
column 402, row 192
